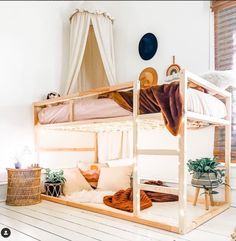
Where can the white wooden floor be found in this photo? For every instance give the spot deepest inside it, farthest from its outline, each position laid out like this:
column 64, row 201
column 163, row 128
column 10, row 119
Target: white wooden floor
column 55, row 222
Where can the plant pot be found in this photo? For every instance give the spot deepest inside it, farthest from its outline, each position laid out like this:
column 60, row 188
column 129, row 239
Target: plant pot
column 205, row 180
column 53, row 189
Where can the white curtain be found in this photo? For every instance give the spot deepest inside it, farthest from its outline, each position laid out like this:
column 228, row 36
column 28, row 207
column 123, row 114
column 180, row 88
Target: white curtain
column 91, row 52
column 104, row 35
column 78, row 37
column 113, row 145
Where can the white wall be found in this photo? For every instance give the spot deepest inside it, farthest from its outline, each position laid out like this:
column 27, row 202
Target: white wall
column 33, row 58
column 182, row 28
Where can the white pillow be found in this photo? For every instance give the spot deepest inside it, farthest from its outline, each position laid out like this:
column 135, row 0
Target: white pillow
column 75, row 181
column 114, row 178
column 120, row 162
column 222, row 79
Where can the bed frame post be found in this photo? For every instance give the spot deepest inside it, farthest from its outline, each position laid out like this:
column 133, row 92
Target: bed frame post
column 183, row 154
column 136, row 180
column 228, row 151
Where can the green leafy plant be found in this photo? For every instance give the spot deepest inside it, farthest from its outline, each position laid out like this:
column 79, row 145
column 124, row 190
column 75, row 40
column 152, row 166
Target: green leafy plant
column 202, row 166
column 55, row 176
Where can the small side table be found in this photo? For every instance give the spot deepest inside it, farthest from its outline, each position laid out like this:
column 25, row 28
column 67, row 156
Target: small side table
column 23, row 186
column 207, row 196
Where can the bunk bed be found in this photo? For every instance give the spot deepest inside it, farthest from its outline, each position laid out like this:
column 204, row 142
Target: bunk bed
column 134, row 119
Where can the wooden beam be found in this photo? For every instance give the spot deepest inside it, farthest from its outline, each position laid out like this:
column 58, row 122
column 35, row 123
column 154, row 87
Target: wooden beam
column 206, row 84
column 84, row 94
column 136, row 178
column 214, row 211
column 161, row 152
column 203, row 118
column 183, row 154
column 155, row 188
column 115, row 213
column 228, row 151
column 72, row 149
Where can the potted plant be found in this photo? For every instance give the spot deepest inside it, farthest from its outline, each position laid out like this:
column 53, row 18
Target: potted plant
column 207, row 173
column 53, row 182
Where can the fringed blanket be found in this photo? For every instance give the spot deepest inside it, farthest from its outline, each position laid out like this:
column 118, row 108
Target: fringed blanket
column 162, row 98
column 123, row 200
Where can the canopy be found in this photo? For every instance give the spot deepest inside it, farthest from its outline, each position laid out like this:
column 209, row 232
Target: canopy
column 91, row 62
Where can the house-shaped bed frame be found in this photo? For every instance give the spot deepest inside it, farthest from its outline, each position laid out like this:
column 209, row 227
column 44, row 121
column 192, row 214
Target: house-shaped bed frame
column 185, row 77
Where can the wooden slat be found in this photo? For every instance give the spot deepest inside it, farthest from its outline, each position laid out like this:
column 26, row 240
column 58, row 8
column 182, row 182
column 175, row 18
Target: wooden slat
column 203, row 118
column 125, row 216
column 207, row 216
column 161, row 152
column 55, row 149
column 154, row 188
column 74, row 230
column 228, row 151
column 88, row 122
column 206, row 84
column 119, row 224
column 136, row 178
column 31, row 228
column 182, row 168
column 89, row 93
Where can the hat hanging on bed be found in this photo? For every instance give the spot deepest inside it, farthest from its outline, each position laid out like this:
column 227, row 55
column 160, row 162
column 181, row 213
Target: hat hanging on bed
column 148, row 77
column 147, row 46
column 173, row 68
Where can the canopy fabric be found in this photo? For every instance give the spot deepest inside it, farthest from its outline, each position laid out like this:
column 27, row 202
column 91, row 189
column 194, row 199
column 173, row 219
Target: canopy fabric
column 91, row 63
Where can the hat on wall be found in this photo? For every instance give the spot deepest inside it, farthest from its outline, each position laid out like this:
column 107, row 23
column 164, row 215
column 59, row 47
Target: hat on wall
column 148, row 77
column 147, row 46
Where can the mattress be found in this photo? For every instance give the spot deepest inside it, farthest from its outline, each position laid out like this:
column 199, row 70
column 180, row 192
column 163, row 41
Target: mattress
column 84, row 109
column 87, row 108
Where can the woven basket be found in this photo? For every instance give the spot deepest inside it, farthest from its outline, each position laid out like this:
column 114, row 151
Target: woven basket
column 23, row 186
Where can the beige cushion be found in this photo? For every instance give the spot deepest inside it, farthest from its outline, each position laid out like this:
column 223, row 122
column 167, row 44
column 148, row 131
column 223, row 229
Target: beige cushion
column 75, row 182
column 114, row 178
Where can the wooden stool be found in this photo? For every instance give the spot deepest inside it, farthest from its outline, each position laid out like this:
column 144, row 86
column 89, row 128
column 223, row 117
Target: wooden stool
column 208, row 195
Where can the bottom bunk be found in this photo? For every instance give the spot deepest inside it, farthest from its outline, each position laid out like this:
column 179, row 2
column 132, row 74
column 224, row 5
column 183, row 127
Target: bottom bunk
column 159, row 215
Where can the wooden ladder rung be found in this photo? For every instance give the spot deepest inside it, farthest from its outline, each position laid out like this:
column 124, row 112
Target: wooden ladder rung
column 161, row 152
column 155, row 188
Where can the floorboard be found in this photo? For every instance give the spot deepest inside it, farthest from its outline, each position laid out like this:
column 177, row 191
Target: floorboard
column 55, row 222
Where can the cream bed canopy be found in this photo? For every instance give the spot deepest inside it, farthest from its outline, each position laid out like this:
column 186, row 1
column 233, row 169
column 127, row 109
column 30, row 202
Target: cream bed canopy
column 91, row 62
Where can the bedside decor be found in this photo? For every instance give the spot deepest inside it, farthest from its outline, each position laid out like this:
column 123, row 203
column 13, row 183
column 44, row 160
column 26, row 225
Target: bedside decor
column 148, row 77
column 54, row 181
column 148, row 46
column 173, row 68
column 208, row 175
column 23, row 186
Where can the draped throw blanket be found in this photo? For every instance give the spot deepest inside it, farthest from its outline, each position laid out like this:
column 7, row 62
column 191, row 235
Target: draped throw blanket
column 162, row 98
column 123, row 200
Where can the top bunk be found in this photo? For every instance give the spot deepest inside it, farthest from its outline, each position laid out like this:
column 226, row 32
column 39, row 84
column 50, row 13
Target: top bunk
column 85, row 111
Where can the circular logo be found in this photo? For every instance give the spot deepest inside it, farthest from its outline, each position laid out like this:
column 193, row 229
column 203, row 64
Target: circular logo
column 5, row 232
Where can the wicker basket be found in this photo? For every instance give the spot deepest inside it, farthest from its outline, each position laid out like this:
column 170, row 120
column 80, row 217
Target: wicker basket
column 23, row 186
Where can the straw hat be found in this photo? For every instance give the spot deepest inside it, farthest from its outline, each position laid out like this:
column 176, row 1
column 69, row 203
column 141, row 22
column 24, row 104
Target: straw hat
column 148, row 77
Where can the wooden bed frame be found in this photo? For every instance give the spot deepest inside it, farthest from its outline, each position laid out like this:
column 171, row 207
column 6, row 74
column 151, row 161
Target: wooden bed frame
column 181, row 190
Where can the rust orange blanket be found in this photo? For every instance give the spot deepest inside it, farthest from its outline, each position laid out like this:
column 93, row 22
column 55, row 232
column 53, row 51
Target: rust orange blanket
column 162, row 98
column 123, row 200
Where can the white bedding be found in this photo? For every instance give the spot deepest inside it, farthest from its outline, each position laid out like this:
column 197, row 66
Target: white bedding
column 90, row 108
column 93, row 196
column 205, row 104
column 84, row 109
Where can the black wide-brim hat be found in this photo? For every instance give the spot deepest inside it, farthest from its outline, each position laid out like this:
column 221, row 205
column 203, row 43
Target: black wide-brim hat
column 148, row 46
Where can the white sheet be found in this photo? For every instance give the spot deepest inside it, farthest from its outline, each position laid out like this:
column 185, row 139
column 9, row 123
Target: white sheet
column 206, row 104
column 84, row 109
column 93, row 196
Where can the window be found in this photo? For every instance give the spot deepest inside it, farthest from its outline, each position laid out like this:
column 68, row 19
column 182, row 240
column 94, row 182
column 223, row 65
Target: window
column 225, row 59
